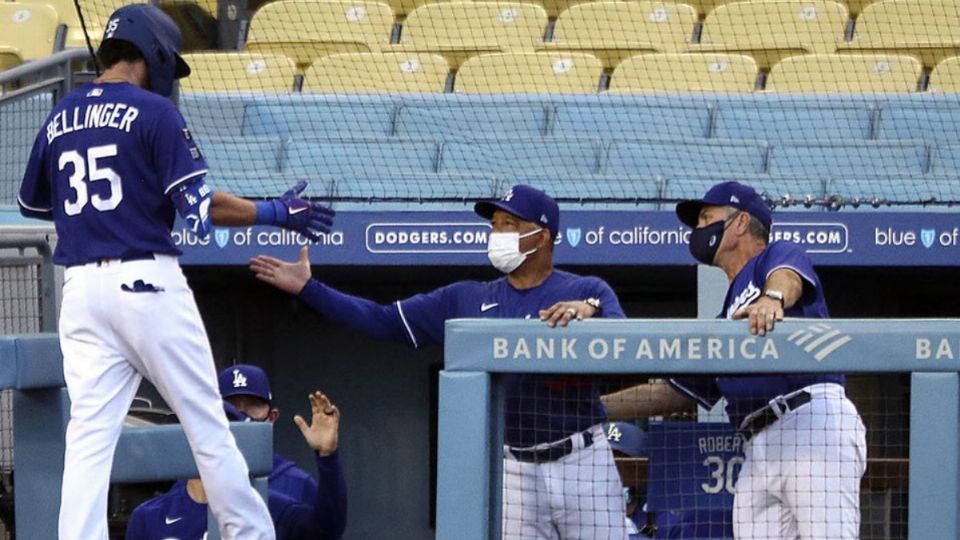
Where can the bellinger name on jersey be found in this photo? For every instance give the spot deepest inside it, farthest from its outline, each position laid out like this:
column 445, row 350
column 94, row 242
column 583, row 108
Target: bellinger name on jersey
column 115, row 115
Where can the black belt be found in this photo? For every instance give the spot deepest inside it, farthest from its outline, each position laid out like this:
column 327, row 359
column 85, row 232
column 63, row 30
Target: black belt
column 126, row 258
column 552, row 452
column 761, row 419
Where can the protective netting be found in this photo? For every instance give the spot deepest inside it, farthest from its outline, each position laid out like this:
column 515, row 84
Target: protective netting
column 818, row 103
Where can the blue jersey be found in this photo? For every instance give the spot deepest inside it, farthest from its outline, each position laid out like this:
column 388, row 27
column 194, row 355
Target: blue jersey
column 538, row 408
column 292, row 481
column 103, row 168
column 175, row 516
column 747, row 393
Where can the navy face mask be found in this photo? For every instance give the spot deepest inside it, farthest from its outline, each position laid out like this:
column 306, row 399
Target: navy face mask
column 705, row 241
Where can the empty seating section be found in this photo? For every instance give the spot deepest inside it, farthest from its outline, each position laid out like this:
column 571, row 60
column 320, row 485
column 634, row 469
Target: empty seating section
column 509, row 73
column 933, row 122
column 339, row 118
column 685, row 157
column 770, row 30
column 506, row 158
column 377, row 73
column 459, row 30
column 614, row 31
column 27, row 32
column 926, row 29
column 659, row 120
column 361, row 157
column 845, row 73
column 946, row 76
column 794, row 121
column 597, row 190
column 945, row 159
column 840, row 158
column 491, row 120
column 239, row 72
column 305, row 30
column 672, row 72
column 794, row 189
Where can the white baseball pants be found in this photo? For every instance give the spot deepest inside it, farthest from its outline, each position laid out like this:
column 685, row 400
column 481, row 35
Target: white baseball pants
column 801, row 477
column 577, row 497
column 111, row 338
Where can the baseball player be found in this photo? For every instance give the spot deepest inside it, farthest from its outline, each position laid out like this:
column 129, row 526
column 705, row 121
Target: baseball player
column 553, row 427
column 805, row 447
column 112, row 165
column 321, row 514
column 628, row 440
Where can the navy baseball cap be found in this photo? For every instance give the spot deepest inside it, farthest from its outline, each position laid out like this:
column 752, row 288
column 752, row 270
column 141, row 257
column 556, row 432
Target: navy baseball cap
column 732, row 194
column 626, row 438
column 244, row 380
column 527, row 203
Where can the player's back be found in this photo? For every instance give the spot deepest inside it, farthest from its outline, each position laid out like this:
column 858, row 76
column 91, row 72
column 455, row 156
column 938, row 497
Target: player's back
column 104, row 163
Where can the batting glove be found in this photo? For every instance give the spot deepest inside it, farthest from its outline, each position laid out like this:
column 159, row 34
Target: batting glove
column 300, row 215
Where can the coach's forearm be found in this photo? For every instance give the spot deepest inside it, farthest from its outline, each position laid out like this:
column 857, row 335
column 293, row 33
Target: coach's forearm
column 331, row 510
column 789, row 283
column 644, row 400
column 360, row 314
column 231, row 211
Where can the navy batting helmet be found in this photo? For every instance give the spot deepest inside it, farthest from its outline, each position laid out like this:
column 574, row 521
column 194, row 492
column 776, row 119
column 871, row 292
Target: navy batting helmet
column 157, row 37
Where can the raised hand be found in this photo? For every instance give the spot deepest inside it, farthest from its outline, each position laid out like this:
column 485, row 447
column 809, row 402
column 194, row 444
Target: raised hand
column 300, row 215
column 286, row 276
column 322, row 434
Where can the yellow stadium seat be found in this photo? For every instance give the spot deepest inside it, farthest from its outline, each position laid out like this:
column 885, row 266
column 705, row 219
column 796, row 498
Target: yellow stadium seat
column 845, row 73
column 770, row 30
column 946, row 76
column 238, row 72
column 615, row 31
column 516, row 73
column 927, row 29
column 357, row 73
column 683, row 72
column 95, row 14
column 27, row 32
column 459, row 30
column 305, row 30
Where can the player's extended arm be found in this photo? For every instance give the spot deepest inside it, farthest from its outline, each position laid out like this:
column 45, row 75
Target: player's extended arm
column 765, row 311
column 656, row 398
column 365, row 316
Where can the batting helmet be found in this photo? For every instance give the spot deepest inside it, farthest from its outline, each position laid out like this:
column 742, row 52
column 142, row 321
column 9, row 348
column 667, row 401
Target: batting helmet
column 157, row 37
column 627, row 438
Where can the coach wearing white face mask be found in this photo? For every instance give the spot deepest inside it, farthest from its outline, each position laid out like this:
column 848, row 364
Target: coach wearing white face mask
column 553, row 426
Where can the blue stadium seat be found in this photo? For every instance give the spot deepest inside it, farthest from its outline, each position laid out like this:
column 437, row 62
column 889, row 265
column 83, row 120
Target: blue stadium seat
column 934, row 122
column 251, row 154
column 625, row 121
column 692, row 156
column 313, row 119
column 945, row 159
column 589, row 191
column 261, row 184
column 793, row 121
column 20, row 121
column 844, row 158
column 779, row 190
column 862, row 192
column 466, row 119
column 361, row 157
column 212, row 115
column 506, row 157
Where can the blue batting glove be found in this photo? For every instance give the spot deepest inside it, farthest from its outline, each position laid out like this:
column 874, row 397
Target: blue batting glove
column 296, row 214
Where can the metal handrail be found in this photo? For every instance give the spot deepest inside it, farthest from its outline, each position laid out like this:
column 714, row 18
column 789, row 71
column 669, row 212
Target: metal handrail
column 48, row 296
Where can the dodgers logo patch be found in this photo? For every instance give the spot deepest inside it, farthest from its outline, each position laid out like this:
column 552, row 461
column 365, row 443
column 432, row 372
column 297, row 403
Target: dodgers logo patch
column 573, row 236
column 221, row 237
column 927, row 237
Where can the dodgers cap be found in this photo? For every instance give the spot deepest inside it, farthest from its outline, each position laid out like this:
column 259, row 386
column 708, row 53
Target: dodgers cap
column 733, row 194
column 626, row 437
column 244, row 380
column 527, row 203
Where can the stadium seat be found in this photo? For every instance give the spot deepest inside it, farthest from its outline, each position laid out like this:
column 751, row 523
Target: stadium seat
column 877, row 191
column 355, row 73
column 506, row 157
column 459, row 30
column 238, row 72
column 672, row 72
column 845, row 73
column 215, row 115
column 693, row 156
column 596, row 191
column 305, row 31
column 460, row 119
column 301, row 119
column 840, row 158
column 803, row 121
column 95, row 15
column 619, row 120
column 945, row 159
column 615, row 31
column 778, row 189
column 770, row 30
column 933, row 122
column 946, row 76
column 27, row 32
column 252, row 154
column 361, row 157
column 511, row 73
column 437, row 186
column 926, row 29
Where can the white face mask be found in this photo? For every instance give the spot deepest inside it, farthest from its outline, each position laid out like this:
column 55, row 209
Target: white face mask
column 503, row 249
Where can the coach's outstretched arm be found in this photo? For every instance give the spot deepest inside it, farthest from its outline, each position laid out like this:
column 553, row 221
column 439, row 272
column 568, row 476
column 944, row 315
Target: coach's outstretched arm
column 656, row 398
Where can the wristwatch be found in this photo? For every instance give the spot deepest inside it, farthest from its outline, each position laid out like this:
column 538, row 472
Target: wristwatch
column 594, row 303
column 776, row 295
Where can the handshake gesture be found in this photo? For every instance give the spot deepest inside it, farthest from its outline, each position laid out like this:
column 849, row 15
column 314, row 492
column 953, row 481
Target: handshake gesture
column 296, row 214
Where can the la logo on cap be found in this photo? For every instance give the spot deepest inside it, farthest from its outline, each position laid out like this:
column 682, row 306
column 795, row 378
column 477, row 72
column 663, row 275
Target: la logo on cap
column 734, row 199
column 508, row 195
column 239, row 379
column 543, row 218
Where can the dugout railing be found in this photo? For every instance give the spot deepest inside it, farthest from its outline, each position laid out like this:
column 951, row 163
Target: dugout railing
column 470, row 404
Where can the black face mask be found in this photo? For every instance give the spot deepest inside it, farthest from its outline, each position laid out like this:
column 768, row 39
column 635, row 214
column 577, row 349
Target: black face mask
column 705, row 241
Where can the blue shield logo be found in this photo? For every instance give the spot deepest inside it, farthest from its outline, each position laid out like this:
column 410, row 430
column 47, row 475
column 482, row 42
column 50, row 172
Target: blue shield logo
column 573, row 236
column 927, row 236
column 222, row 237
